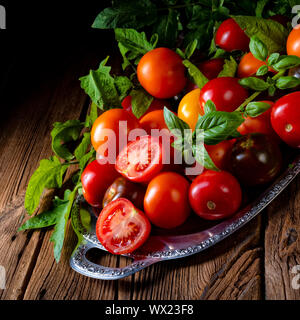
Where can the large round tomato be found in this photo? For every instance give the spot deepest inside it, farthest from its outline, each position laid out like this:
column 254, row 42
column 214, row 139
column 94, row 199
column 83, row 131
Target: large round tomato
column 166, row 200
column 293, row 42
column 121, row 228
column 285, row 118
column 226, row 93
column 220, row 153
column 189, row 108
column 231, row 37
column 110, row 120
column 211, row 68
column 95, row 179
column 161, row 73
column 215, row 195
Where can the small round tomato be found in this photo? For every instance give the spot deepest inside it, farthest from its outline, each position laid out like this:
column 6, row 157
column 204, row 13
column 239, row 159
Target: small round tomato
column 121, row 228
column 249, row 65
column 95, row 179
column 230, row 36
column 153, row 120
column 226, row 93
column 166, row 200
column 212, row 68
column 220, row 153
column 110, row 120
column 255, row 159
column 161, row 73
column 141, row 160
column 215, row 195
column 293, row 42
column 189, row 108
column 285, row 119
column 156, row 104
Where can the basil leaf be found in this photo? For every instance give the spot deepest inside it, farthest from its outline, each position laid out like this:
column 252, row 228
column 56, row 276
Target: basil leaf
column 262, row 71
column 273, row 58
column 190, row 49
column 197, row 76
column 255, row 109
column 287, row 82
column 48, row 175
column 63, row 133
column 201, row 156
column 287, row 62
column 271, row 90
column 229, row 68
column 209, row 107
column 260, row 7
column 258, row 48
column 254, row 84
column 174, row 123
column 140, row 101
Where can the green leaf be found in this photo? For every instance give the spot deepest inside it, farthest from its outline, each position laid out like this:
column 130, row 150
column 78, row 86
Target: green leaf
column 254, row 84
column 229, row 68
column 63, row 133
column 190, row 49
column 91, row 155
column 287, row 62
column 260, row 7
column 258, row 48
column 174, row 124
column 209, row 107
column 196, row 75
column 140, row 102
column 92, row 116
column 81, row 150
column 48, row 175
column 123, row 85
column 254, row 109
column 262, row 71
column 201, row 156
column 287, row 82
column 273, row 58
column 270, row 32
column 180, row 53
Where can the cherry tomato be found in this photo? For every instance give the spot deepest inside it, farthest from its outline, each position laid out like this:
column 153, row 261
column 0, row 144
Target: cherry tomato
column 212, row 68
column 231, row 37
column 285, row 119
column 215, row 195
column 95, row 179
column 110, row 120
column 153, row 120
column 161, row 73
column 141, row 160
column 157, row 104
column 226, row 93
column 255, row 159
column 293, row 42
column 166, row 200
column 220, row 153
column 121, row 228
column 189, row 108
column 123, row 188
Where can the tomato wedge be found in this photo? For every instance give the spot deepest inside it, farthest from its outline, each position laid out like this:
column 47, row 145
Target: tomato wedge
column 122, row 228
column 141, row 160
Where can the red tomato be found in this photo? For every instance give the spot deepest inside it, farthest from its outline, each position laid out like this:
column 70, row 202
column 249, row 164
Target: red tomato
column 285, row 118
column 110, row 120
column 157, row 104
column 226, row 93
column 121, row 228
column 153, row 120
column 215, row 195
column 212, row 68
column 231, row 37
column 141, row 160
column 220, row 153
column 161, row 73
column 293, row 42
column 166, row 200
column 95, row 179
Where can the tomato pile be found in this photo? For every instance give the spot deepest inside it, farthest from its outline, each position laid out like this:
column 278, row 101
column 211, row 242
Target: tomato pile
column 141, row 189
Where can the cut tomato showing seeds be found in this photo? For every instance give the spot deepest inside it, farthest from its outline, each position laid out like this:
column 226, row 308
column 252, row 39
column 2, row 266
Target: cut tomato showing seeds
column 122, row 228
column 141, row 160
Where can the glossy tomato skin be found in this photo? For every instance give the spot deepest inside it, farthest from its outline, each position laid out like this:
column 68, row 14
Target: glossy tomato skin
column 121, row 228
column 255, row 159
column 220, row 153
column 95, row 179
column 153, row 120
column 211, row 68
column 249, row 65
column 293, row 42
column 285, row 119
column 231, row 37
column 166, row 200
column 161, row 73
column 189, row 108
column 226, row 93
column 215, row 195
column 110, row 120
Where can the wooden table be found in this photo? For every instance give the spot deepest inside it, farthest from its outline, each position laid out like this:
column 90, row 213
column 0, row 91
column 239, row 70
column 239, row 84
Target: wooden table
column 255, row 263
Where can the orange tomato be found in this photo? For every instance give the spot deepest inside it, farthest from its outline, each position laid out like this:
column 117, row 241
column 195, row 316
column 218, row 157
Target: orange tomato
column 293, row 42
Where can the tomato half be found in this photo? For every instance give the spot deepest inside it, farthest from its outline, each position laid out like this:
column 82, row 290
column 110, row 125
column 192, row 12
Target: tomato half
column 226, row 93
column 215, row 195
column 230, row 36
column 211, row 68
column 285, row 119
column 95, row 179
column 166, row 200
column 141, row 160
column 121, row 228
column 293, row 42
column 161, row 73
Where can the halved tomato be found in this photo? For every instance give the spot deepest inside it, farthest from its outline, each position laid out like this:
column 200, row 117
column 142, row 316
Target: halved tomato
column 121, row 228
column 141, row 160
